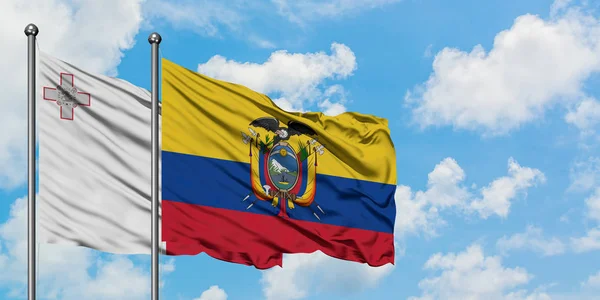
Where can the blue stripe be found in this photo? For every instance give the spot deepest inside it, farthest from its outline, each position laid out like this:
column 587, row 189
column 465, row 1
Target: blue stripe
column 223, row 184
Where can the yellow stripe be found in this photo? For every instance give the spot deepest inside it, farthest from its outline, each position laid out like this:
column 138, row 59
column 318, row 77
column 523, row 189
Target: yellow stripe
column 203, row 116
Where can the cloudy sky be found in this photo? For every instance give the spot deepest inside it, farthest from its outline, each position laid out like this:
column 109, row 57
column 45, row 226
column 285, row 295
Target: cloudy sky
column 494, row 111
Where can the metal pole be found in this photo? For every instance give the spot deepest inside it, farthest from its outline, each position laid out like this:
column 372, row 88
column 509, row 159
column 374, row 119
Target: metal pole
column 154, row 40
column 31, row 32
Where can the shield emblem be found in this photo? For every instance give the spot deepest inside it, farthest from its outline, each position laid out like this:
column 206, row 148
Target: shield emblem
column 282, row 167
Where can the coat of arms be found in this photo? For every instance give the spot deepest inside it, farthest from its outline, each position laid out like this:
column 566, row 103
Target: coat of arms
column 283, row 164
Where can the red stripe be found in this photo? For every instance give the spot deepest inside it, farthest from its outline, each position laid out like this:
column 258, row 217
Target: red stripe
column 261, row 262
column 259, row 240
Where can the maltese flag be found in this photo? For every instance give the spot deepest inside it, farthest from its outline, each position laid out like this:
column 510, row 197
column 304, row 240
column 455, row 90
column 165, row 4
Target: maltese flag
column 94, row 159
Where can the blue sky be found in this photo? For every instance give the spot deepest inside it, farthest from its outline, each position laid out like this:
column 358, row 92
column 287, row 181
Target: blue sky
column 493, row 109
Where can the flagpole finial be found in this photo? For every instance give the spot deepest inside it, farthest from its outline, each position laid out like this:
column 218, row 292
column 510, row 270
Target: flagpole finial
column 154, row 38
column 31, row 29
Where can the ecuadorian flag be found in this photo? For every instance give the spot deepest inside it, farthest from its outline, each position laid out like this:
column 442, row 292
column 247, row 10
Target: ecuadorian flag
column 245, row 181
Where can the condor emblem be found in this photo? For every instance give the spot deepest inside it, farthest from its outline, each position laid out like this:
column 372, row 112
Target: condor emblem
column 283, row 164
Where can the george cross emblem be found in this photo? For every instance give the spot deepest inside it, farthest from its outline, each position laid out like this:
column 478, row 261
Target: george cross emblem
column 67, row 96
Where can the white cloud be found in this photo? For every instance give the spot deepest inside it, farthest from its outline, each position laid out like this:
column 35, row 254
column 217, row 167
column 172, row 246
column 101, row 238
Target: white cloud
column 590, row 242
column 297, row 78
column 415, row 214
column 204, row 17
column 331, row 109
column 472, row 275
column 593, row 282
column 524, row 295
column 118, row 278
column 115, row 278
column 588, row 291
column 428, row 51
column 586, row 116
column 443, row 184
column 80, row 27
column 301, row 11
column 593, row 205
column 420, row 211
column 559, row 6
column 165, row 269
column 532, row 239
column 168, row 267
column 496, row 196
column 585, row 175
column 318, row 272
column 214, row 18
column 213, row 293
column 335, row 98
column 261, row 42
column 514, row 83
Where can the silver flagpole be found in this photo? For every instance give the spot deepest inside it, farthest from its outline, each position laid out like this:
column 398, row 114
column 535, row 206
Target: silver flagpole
column 154, row 40
column 31, row 32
